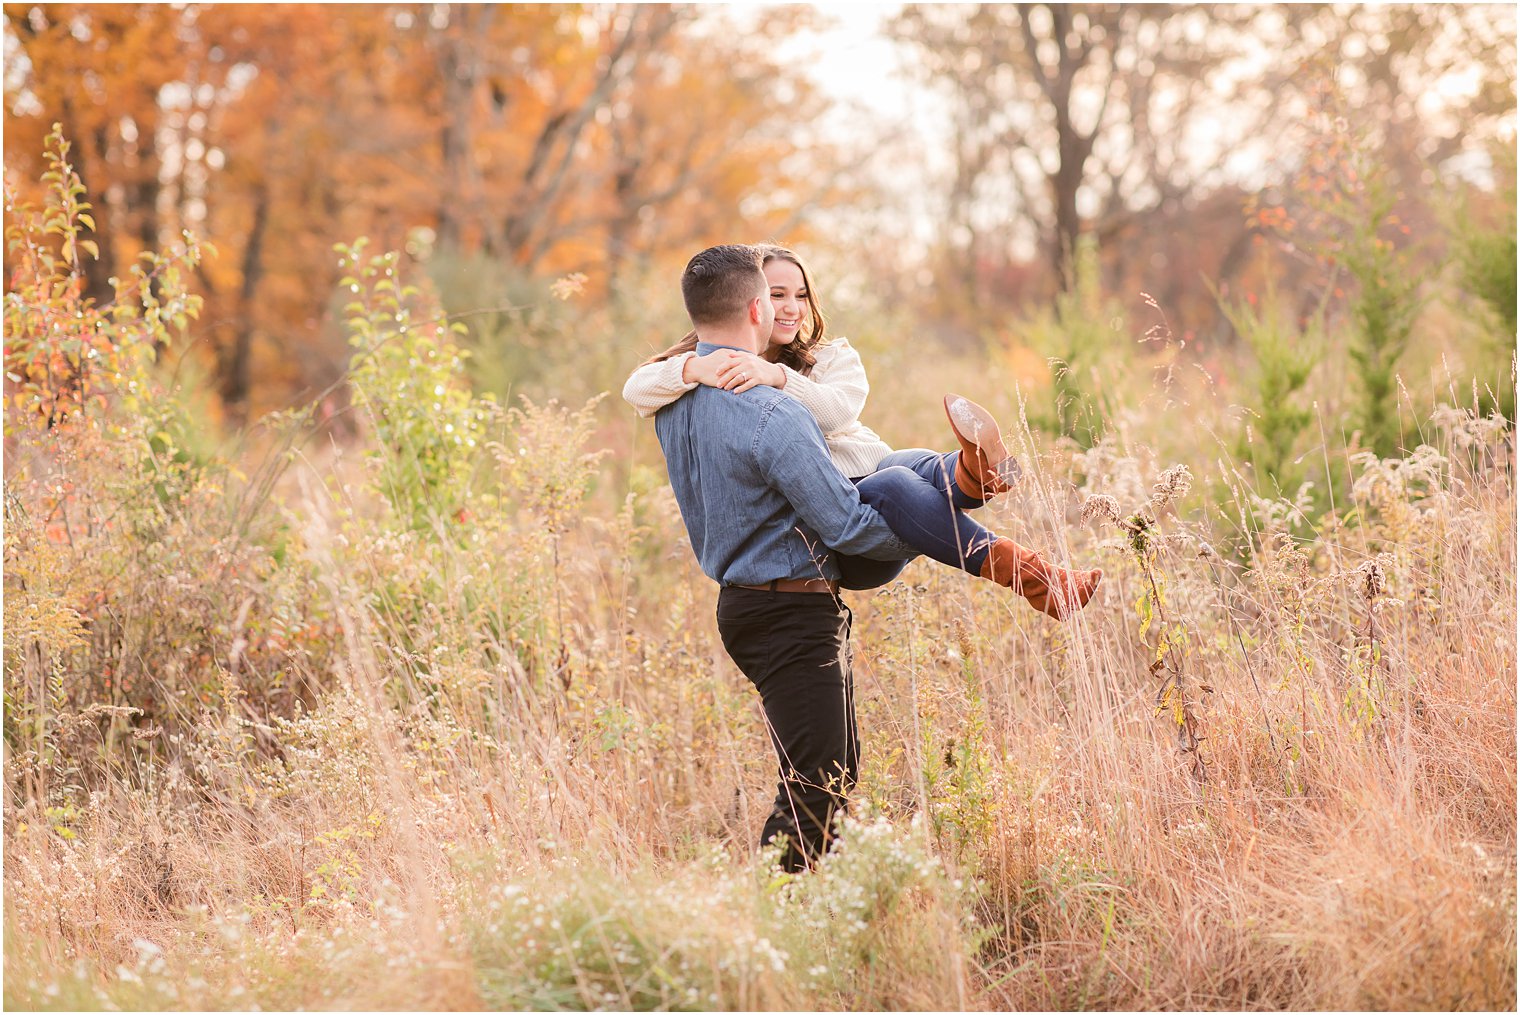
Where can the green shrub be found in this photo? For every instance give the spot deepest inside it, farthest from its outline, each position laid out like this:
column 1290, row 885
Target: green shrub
column 1486, row 258
column 408, row 377
column 1084, row 353
column 1286, row 355
column 1383, row 309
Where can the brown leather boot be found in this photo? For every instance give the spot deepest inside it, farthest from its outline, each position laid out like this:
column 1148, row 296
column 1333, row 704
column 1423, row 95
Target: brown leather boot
column 1055, row 591
column 985, row 467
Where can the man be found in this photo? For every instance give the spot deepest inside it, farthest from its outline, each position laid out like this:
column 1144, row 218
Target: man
column 763, row 503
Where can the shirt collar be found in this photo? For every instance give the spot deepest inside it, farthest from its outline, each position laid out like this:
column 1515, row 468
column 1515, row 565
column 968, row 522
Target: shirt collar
column 703, row 348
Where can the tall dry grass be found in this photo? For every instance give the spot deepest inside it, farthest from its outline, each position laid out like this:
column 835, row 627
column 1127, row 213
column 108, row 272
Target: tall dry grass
column 440, row 719
column 507, row 781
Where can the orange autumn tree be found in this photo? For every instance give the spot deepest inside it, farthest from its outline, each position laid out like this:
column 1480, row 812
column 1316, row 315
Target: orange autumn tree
column 554, row 138
column 175, row 134
column 97, row 74
column 639, row 129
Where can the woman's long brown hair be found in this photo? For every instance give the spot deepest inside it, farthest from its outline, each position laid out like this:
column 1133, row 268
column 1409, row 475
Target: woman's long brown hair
column 799, row 354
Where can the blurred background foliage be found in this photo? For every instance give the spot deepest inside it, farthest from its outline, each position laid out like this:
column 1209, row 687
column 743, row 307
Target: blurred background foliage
column 1357, row 163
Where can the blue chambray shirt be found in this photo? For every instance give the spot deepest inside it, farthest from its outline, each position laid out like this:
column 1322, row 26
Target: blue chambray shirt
column 760, row 497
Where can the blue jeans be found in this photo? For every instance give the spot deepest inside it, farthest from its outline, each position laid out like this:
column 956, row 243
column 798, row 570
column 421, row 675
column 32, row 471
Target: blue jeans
column 915, row 491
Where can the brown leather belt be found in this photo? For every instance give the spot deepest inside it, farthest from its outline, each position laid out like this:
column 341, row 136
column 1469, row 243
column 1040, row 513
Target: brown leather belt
column 795, row 585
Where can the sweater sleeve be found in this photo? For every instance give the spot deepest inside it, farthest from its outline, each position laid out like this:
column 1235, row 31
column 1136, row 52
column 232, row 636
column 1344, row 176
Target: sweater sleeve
column 655, row 385
column 836, row 392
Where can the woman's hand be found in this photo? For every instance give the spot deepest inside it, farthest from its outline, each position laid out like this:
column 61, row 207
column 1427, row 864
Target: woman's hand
column 704, row 369
column 732, row 369
column 741, row 371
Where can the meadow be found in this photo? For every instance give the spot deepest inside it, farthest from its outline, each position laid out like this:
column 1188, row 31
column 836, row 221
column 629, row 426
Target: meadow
column 428, row 710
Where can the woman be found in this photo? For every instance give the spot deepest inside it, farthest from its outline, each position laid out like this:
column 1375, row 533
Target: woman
column 922, row 494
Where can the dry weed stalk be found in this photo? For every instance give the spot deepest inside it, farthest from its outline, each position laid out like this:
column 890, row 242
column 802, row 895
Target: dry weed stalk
column 1172, row 696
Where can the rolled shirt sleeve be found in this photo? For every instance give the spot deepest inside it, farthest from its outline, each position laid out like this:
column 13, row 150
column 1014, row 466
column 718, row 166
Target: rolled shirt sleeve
column 790, row 453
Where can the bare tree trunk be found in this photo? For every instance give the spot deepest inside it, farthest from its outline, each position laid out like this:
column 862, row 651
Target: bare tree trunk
column 554, row 151
column 142, row 202
column 98, row 271
column 620, row 227
column 235, row 359
column 459, row 67
column 1068, row 226
column 1073, row 147
column 145, row 192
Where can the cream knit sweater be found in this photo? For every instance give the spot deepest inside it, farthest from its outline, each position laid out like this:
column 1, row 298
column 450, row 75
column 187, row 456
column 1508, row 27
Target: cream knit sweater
column 834, row 393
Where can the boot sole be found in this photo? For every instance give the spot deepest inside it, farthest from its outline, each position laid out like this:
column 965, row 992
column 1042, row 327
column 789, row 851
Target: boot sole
column 976, row 426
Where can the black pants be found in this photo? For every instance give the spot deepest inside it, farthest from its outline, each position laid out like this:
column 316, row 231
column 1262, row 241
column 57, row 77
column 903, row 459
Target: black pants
column 795, row 648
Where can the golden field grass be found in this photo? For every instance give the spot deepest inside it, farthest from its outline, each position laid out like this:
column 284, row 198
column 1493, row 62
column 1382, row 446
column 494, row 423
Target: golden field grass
column 272, row 741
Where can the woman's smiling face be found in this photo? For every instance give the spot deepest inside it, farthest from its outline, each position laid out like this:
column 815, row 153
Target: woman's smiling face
column 789, row 295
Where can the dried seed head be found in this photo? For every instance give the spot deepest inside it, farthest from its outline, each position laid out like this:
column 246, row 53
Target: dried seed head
column 1100, row 506
column 1171, row 485
column 1372, row 576
column 568, row 286
column 963, row 638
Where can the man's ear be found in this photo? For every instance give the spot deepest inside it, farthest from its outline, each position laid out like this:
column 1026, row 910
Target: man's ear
column 754, row 309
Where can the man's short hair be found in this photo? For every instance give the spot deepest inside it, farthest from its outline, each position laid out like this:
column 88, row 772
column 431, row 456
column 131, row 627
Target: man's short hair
column 719, row 283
